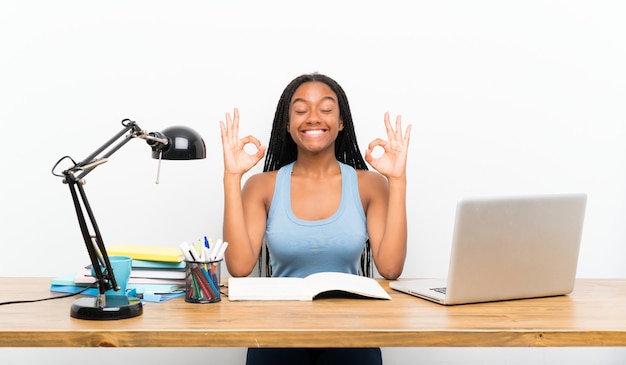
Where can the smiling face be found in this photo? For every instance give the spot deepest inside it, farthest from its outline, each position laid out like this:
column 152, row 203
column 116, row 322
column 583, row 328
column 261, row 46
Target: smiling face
column 314, row 120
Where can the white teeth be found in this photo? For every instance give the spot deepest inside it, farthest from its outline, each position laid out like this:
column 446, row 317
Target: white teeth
column 317, row 131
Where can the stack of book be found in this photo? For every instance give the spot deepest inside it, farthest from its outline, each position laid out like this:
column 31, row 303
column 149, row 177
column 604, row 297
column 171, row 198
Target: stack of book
column 157, row 275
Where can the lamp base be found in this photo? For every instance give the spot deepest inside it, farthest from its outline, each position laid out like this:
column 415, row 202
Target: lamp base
column 117, row 307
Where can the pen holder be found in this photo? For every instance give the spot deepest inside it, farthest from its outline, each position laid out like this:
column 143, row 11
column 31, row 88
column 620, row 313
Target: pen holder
column 202, row 281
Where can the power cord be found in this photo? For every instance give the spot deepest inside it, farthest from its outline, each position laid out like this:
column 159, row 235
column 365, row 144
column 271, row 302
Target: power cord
column 49, row 298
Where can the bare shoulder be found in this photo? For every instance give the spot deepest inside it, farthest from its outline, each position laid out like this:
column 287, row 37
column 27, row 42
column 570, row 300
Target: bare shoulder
column 261, row 177
column 371, row 177
column 371, row 182
column 261, row 185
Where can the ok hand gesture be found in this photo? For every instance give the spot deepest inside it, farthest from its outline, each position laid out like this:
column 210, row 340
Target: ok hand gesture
column 392, row 163
column 236, row 159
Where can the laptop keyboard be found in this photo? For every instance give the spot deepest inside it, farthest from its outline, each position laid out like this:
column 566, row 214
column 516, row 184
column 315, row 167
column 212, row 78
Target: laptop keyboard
column 439, row 290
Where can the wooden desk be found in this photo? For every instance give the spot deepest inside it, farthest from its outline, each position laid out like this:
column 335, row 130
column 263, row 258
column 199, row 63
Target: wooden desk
column 593, row 315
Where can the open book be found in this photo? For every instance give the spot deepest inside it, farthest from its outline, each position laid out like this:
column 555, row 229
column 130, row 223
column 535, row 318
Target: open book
column 308, row 288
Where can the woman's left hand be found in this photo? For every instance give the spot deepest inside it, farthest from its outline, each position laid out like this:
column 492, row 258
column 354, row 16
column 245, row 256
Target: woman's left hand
column 392, row 163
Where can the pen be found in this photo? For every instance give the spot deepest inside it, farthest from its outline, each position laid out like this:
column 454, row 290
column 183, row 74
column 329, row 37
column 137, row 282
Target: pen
column 202, row 280
column 194, row 290
column 206, row 254
column 185, row 248
column 214, row 249
column 214, row 274
column 198, row 248
column 209, row 279
column 220, row 254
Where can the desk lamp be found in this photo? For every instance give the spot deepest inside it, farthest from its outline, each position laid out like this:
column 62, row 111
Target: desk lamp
column 174, row 143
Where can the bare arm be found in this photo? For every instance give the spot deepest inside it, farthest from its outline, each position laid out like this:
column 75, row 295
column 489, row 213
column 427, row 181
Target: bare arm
column 386, row 209
column 244, row 215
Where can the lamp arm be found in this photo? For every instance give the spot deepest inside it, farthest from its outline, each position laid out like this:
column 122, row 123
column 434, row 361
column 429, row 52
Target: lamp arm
column 128, row 125
column 93, row 242
column 155, row 139
column 74, row 176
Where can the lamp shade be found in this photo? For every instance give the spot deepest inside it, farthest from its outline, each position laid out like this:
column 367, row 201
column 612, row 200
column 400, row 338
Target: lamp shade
column 183, row 144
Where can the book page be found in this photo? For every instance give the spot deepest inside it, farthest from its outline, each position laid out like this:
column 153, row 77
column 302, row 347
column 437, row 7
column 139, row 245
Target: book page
column 253, row 288
column 349, row 283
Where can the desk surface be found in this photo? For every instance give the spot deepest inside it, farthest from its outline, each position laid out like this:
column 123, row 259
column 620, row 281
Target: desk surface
column 593, row 315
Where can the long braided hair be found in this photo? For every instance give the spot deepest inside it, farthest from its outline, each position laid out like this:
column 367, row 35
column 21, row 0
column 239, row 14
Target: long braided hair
column 282, row 150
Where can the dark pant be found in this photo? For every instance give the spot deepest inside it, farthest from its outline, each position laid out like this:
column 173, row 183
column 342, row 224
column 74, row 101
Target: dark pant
column 298, row 356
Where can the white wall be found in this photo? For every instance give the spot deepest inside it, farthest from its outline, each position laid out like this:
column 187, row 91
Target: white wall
column 504, row 98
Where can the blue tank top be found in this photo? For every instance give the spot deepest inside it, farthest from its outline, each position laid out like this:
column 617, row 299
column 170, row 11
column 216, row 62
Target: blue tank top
column 302, row 247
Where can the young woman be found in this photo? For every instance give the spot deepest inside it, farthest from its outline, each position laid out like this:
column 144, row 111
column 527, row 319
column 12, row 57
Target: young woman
column 316, row 204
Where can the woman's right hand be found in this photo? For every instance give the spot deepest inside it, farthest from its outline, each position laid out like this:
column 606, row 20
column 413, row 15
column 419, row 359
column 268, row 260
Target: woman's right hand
column 236, row 159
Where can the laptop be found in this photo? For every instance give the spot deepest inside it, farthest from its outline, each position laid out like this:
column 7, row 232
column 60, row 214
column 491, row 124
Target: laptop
column 507, row 248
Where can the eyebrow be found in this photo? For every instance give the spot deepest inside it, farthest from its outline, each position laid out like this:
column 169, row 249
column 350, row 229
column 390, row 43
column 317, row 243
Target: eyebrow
column 323, row 99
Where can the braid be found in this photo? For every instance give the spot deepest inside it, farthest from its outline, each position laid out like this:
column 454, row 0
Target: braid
column 282, row 150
